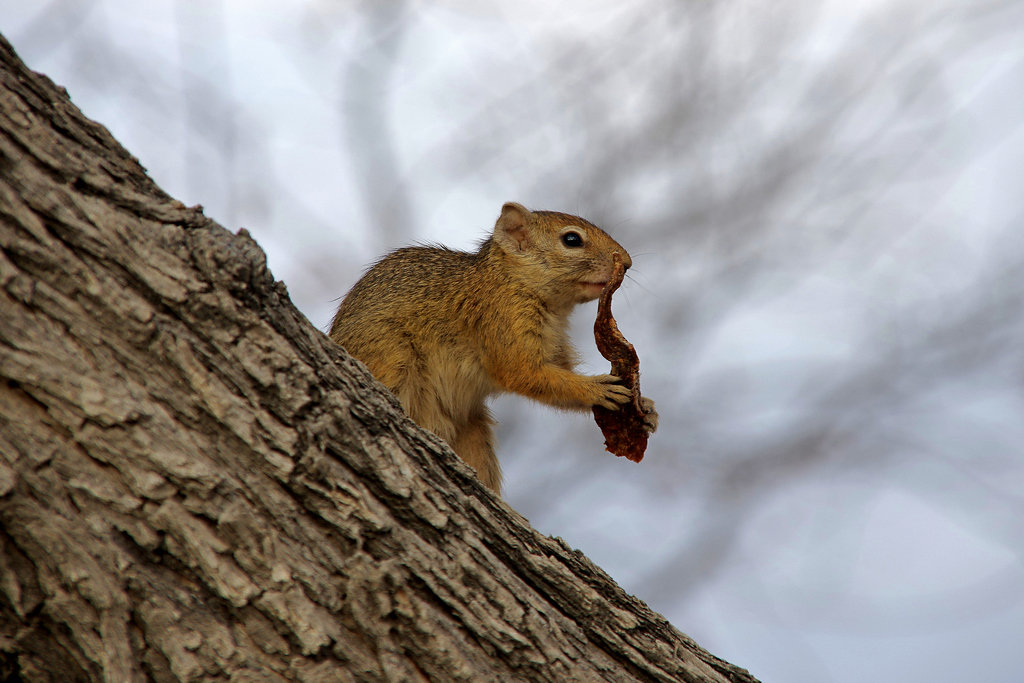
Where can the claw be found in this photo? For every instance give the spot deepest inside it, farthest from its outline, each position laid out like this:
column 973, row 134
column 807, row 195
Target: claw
column 650, row 415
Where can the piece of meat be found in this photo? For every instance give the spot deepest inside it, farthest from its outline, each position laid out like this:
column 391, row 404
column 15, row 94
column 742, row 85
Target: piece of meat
column 624, row 432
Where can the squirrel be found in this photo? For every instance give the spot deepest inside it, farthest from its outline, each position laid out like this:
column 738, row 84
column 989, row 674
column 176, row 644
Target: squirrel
column 444, row 329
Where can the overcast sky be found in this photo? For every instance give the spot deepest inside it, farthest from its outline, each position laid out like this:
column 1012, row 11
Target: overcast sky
column 824, row 209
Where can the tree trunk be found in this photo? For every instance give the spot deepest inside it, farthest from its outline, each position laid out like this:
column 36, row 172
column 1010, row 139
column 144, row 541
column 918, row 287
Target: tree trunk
column 197, row 484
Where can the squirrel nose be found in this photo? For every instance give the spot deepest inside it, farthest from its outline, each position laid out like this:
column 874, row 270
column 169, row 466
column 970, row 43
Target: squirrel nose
column 626, row 261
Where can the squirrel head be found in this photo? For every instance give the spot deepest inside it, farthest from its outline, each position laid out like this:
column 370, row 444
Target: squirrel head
column 565, row 258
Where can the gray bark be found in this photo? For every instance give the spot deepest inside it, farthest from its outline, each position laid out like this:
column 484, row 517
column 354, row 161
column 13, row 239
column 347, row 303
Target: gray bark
column 196, row 484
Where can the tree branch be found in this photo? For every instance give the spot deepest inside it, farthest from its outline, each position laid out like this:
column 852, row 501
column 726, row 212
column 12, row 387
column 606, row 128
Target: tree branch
column 197, row 484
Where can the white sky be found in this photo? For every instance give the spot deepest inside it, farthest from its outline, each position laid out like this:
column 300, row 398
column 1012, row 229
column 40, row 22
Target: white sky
column 826, row 605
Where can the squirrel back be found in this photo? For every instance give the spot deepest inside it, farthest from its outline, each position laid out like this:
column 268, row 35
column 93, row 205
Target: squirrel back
column 445, row 329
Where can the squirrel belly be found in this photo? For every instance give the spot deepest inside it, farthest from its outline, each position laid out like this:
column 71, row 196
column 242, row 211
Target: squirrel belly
column 444, row 329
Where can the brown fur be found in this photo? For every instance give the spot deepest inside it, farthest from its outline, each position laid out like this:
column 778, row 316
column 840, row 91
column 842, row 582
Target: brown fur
column 444, row 329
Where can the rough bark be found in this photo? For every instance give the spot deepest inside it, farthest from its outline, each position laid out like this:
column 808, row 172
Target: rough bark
column 197, row 484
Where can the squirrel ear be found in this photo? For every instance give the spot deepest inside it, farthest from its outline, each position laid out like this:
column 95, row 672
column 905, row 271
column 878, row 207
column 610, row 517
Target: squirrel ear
column 512, row 231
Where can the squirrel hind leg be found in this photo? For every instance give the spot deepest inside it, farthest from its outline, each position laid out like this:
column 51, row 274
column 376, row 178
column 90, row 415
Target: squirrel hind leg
column 474, row 443
column 472, row 439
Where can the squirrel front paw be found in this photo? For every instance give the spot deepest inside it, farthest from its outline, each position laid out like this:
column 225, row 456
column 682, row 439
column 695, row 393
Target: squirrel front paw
column 607, row 392
column 650, row 414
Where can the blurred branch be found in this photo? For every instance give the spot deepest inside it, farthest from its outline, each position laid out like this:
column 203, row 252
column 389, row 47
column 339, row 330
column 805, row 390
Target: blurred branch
column 366, row 117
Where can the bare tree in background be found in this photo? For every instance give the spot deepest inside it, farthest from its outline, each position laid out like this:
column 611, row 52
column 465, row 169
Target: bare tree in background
column 766, row 158
column 754, row 180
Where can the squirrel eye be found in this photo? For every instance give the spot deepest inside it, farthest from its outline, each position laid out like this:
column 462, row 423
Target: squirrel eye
column 572, row 239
